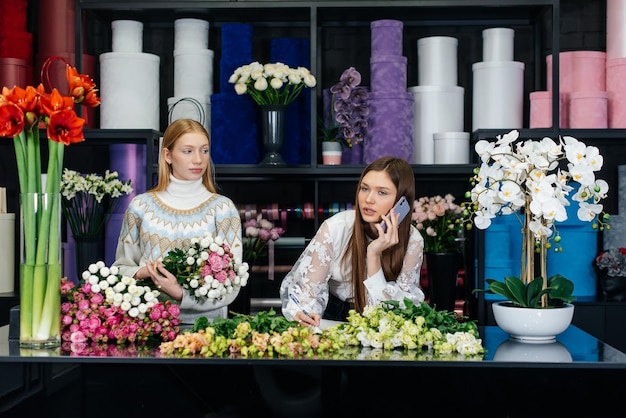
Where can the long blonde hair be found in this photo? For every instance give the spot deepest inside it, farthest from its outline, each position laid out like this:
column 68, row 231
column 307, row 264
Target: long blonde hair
column 173, row 132
column 401, row 174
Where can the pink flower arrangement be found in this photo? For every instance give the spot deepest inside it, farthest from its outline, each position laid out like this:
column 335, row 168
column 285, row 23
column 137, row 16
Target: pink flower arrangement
column 106, row 307
column 208, row 269
column 259, row 232
column 439, row 220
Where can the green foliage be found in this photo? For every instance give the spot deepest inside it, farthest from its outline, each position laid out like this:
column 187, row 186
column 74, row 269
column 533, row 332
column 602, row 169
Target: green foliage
column 262, row 322
column 444, row 321
column 559, row 291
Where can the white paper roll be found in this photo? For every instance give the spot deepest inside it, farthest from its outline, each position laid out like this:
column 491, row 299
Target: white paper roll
column 452, row 147
column 437, row 61
column 498, row 95
column 435, row 109
column 498, row 44
column 193, row 72
column 129, row 91
column 191, row 34
column 7, row 255
column 195, row 108
column 127, row 36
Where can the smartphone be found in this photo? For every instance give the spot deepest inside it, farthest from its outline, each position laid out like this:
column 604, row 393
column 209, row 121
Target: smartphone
column 402, row 207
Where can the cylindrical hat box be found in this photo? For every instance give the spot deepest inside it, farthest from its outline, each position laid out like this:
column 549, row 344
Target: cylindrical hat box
column 452, row 147
column 386, row 37
column 615, row 29
column 388, row 73
column 437, row 61
column 616, row 89
column 7, row 255
column 588, row 109
column 15, row 72
column 127, row 36
column 579, row 71
column 498, row 97
column 435, row 109
column 193, row 72
column 390, row 128
column 191, row 34
column 129, row 91
column 541, row 109
column 196, row 108
column 498, row 44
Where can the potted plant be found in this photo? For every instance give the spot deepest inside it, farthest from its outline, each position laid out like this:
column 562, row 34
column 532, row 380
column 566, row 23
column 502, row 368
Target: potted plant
column 348, row 116
column 439, row 219
column 610, row 266
column 532, row 180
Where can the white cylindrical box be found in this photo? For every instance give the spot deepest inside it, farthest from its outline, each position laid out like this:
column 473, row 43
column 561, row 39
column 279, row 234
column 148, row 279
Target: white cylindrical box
column 195, row 108
column 191, row 34
column 127, row 36
column 498, row 44
column 193, row 72
column 7, row 255
column 129, row 91
column 452, row 147
column 435, row 109
column 498, row 95
column 437, row 61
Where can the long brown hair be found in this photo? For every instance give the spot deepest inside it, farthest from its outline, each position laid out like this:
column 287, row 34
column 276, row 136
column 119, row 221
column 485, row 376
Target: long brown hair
column 401, row 174
column 173, row 132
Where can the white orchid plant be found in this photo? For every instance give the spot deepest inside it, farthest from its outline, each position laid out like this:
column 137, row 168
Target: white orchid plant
column 533, row 179
column 271, row 84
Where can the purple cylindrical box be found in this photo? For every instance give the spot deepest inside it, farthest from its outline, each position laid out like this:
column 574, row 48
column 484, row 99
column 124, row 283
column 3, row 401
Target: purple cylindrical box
column 386, row 37
column 390, row 126
column 388, row 73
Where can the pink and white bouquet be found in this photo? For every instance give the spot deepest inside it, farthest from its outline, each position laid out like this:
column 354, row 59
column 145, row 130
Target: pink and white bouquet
column 108, row 307
column 258, row 233
column 208, row 270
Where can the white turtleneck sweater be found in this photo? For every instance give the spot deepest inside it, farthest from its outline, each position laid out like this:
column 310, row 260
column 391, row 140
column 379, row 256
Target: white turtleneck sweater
column 157, row 222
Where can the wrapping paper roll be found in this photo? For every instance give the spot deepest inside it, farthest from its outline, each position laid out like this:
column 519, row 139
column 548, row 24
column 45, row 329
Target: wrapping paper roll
column 236, row 51
column 388, row 73
column 579, row 71
column 193, row 72
column 129, row 91
column 191, row 34
column 16, row 44
column 386, row 37
column 491, row 108
column 13, row 15
column 7, row 255
column 127, row 36
column 57, row 27
column 498, row 44
column 615, row 29
column 588, row 109
column 437, row 61
column 234, row 135
column 390, row 126
column 616, row 88
column 541, row 109
column 452, row 147
column 296, row 149
column 435, row 109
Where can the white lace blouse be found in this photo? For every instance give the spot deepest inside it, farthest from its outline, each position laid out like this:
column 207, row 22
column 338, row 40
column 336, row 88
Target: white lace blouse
column 318, row 271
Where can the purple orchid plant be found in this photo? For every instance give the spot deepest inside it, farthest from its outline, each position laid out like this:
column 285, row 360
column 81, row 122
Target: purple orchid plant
column 349, row 110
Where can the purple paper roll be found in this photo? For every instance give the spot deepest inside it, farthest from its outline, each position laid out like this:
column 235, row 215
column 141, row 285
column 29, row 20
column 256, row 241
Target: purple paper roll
column 386, row 37
column 388, row 73
column 390, row 126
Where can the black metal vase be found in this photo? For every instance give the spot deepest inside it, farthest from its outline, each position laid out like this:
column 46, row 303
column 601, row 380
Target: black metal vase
column 443, row 272
column 613, row 287
column 89, row 250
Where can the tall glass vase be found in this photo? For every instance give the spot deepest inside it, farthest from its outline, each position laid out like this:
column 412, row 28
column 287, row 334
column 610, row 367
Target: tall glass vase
column 273, row 129
column 40, row 270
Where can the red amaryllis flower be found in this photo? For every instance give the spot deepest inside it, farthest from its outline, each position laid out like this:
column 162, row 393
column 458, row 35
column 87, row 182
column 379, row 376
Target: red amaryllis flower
column 11, row 120
column 81, row 87
column 65, row 127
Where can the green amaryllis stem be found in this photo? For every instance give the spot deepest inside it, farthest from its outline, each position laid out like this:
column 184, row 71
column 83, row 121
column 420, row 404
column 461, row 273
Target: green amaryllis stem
column 27, row 271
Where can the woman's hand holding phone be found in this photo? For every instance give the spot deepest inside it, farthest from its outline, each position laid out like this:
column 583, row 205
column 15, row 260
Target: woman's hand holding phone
column 401, row 207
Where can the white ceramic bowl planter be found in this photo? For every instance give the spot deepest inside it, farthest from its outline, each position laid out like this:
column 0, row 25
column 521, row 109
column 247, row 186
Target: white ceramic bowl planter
column 532, row 324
